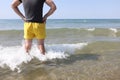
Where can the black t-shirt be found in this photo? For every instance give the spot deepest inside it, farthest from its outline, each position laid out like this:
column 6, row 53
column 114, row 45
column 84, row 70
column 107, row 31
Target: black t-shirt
column 33, row 10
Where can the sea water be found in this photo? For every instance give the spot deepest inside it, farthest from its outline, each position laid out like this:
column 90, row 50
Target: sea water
column 76, row 49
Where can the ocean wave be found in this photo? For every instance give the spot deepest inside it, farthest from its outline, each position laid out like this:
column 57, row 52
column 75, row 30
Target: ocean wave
column 14, row 56
column 91, row 29
column 68, row 33
column 114, row 30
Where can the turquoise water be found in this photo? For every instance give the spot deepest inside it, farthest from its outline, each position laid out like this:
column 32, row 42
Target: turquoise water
column 64, row 23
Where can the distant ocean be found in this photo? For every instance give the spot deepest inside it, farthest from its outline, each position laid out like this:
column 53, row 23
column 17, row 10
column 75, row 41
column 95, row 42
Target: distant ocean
column 77, row 49
column 9, row 24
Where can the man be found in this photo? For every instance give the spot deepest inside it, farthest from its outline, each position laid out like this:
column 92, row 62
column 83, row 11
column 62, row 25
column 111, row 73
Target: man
column 34, row 21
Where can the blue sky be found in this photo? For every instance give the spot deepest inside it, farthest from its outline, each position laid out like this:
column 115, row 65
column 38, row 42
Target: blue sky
column 75, row 9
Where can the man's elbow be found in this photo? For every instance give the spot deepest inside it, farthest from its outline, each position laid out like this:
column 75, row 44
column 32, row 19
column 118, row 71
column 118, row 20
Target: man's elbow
column 12, row 5
column 54, row 8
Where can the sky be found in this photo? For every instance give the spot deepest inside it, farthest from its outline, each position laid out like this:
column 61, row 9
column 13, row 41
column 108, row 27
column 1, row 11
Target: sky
column 72, row 9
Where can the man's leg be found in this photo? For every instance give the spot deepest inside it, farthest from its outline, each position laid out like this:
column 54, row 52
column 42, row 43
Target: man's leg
column 28, row 44
column 41, row 46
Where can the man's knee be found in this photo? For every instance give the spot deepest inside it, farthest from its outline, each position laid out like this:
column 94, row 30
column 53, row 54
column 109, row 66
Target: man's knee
column 28, row 44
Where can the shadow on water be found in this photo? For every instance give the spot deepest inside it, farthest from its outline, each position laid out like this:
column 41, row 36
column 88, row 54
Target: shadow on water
column 73, row 58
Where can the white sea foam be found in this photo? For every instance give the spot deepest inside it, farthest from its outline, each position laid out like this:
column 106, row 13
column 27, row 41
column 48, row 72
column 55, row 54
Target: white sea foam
column 114, row 30
column 91, row 29
column 15, row 55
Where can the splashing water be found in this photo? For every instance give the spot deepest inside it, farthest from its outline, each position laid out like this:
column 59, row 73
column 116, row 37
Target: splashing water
column 16, row 55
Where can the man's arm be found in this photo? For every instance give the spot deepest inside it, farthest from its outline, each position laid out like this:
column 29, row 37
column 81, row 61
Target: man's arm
column 52, row 6
column 14, row 6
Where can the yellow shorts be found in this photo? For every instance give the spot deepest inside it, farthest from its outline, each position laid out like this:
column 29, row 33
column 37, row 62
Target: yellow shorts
column 34, row 30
